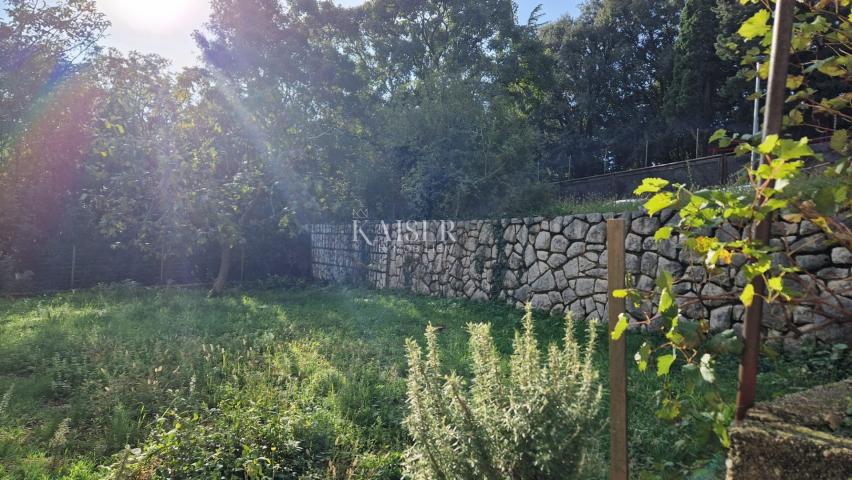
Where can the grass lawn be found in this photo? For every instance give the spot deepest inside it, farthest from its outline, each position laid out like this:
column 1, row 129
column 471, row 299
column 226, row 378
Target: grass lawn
column 307, row 378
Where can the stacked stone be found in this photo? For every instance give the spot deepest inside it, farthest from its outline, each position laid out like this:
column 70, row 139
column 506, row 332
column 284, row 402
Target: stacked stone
column 559, row 264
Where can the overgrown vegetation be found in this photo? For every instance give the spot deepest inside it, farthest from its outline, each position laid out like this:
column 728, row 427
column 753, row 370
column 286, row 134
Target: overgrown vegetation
column 317, row 374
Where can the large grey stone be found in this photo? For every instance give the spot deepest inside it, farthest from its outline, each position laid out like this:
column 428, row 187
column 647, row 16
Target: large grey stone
column 633, row 243
column 510, row 234
column 561, row 279
column 727, row 233
column 585, row 286
column 542, row 241
column 672, row 266
column 568, row 296
column 575, row 249
column 807, row 228
column 556, row 260
column 783, row 229
column 541, row 301
column 833, row 273
column 529, row 255
column 559, row 244
column 631, row 263
column 597, row 233
column 510, row 279
column 523, row 235
column 515, row 261
column 649, row 264
column 576, row 230
column 544, row 283
column 811, row 263
column 841, row 256
column 712, row 290
column 720, row 318
column 645, row 225
column 814, row 243
column 522, row 293
column 572, row 268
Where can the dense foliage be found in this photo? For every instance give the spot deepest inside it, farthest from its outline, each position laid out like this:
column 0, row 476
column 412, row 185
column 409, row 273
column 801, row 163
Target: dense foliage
column 304, row 109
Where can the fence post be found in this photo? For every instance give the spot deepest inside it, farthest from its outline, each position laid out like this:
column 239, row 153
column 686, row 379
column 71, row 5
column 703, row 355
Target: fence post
column 73, row 263
column 617, row 352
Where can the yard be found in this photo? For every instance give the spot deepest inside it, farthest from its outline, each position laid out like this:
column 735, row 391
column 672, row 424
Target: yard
column 308, row 380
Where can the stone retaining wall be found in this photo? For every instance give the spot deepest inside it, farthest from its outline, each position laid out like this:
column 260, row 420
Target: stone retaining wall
column 559, row 264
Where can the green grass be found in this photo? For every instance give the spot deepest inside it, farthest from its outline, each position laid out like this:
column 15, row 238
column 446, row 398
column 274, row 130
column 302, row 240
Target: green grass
column 315, row 373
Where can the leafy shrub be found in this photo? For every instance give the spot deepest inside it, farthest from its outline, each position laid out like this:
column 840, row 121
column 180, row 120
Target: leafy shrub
column 533, row 419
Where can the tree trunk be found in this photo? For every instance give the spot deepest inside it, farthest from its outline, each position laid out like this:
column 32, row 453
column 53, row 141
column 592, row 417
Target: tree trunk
column 224, row 269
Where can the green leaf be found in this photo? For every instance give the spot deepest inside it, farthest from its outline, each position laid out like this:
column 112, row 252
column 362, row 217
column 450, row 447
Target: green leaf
column 663, row 233
column 776, row 284
column 840, row 140
column 768, row 144
column 666, row 301
column 831, row 67
column 664, row 364
column 651, row 185
column 794, row 81
column 791, row 149
column 658, row 202
column 718, row 135
column 756, row 26
column 748, row 295
column 621, row 293
column 620, row 327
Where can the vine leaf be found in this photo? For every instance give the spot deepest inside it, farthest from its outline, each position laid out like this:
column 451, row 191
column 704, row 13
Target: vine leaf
column 620, row 326
column 755, row 26
column 748, row 295
column 664, row 364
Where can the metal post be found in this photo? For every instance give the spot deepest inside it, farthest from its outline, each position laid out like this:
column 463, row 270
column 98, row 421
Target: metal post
column 755, row 121
column 73, row 263
column 617, row 353
column 775, row 93
column 697, row 133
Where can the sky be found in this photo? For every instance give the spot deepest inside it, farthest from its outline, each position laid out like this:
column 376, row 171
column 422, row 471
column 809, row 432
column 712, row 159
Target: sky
column 164, row 26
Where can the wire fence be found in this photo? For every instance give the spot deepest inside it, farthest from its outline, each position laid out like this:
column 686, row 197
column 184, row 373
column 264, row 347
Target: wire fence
column 70, row 265
column 709, row 171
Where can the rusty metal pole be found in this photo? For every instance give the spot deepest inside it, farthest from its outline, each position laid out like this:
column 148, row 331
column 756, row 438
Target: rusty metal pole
column 618, row 470
column 775, row 95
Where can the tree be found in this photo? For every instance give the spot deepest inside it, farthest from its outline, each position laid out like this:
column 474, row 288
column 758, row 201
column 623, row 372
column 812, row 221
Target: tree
column 47, row 109
column 614, row 66
column 692, row 100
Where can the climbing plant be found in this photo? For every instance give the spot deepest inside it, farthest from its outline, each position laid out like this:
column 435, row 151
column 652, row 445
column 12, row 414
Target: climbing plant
column 783, row 187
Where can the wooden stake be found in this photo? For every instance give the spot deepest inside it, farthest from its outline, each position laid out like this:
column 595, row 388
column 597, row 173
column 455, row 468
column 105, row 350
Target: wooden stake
column 775, row 93
column 617, row 353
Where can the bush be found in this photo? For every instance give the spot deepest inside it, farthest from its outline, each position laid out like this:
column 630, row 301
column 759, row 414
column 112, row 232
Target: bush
column 532, row 419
